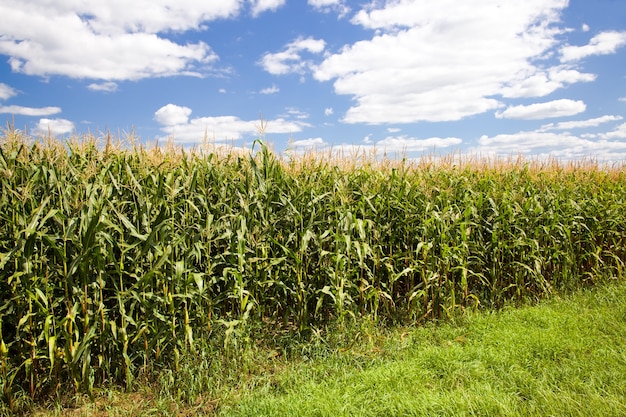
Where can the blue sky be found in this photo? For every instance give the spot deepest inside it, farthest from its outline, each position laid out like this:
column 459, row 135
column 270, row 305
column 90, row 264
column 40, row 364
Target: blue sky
column 540, row 78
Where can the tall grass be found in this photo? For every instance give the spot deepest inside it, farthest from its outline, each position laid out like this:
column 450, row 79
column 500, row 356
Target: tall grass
column 114, row 262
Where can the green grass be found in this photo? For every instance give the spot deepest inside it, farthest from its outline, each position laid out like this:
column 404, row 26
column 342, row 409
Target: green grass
column 565, row 357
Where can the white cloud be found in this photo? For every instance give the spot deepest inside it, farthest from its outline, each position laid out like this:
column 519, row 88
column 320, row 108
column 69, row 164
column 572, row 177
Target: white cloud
column 604, row 43
column 30, row 111
column 447, row 60
column 585, row 27
column 580, row 124
column 390, row 146
column 327, row 6
column 311, row 146
column 560, row 145
column 270, row 90
column 323, row 3
column 140, row 16
column 584, row 135
column 260, row 6
column 407, row 144
column 317, row 143
column 540, row 83
column 109, row 39
column 622, row 99
column 171, row 115
column 328, row 111
column 219, row 128
column 6, row 92
column 296, row 113
column 107, row 87
column 290, row 60
column 54, row 127
column 619, row 133
column 555, row 108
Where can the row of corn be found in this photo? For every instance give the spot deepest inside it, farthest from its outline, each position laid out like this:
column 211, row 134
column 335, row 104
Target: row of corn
column 117, row 261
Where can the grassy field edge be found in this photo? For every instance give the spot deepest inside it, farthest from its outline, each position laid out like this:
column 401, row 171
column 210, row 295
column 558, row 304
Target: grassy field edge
column 566, row 356
column 563, row 356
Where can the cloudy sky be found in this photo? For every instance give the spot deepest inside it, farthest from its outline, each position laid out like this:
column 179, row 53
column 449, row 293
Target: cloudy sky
column 534, row 77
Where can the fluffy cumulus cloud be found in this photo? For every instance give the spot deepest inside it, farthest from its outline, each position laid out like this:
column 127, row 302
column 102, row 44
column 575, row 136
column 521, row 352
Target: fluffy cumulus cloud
column 537, row 111
column 310, row 147
column 290, row 59
column 400, row 145
column 447, row 60
column 171, row 115
column 539, row 83
column 408, row 144
column 618, row 133
column 307, row 144
column 54, row 127
column 559, row 145
column 111, row 40
column 177, row 125
column 602, row 44
column 260, row 6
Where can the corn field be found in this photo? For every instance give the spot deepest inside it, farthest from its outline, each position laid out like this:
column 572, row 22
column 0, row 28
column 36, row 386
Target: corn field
column 117, row 260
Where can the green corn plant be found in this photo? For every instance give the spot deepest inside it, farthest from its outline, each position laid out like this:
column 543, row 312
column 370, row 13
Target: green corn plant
column 116, row 262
